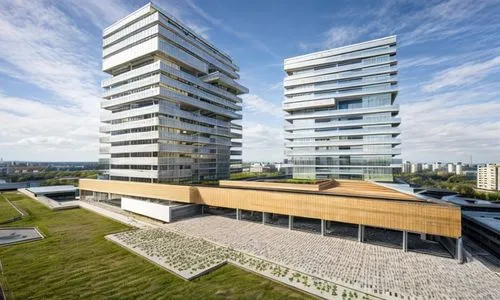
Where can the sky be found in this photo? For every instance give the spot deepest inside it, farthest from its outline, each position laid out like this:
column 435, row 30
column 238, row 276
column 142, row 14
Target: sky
column 448, row 52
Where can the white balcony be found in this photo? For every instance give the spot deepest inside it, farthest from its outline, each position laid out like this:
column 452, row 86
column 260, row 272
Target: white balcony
column 338, row 124
column 343, row 112
column 357, row 142
column 134, row 136
column 313, row 88
column 131, row 113
column 135, row 148
column 164, row 174
column 291, row 66
column 135, row 124
column 394, row 151
column 325, row 74
column 338, row 133
column 150, row 46
column 151, row 174
column 362, row 91
column 224, row 80
column 134, row 161
column 308, row 104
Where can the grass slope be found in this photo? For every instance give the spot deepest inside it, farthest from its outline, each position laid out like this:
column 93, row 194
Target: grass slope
column 75, row 261
column 7, row 212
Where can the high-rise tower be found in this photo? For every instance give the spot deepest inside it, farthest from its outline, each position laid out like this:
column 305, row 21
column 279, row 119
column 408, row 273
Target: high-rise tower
column 341, row 120
column 169, row 104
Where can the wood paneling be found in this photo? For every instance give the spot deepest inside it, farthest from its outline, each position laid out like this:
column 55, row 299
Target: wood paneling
column 413, row 216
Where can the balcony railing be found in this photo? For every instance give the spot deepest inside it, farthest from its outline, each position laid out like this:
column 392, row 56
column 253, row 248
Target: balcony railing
column 353, row 132
column 374, row 89
column 358, row 142
column 318, row 76
column 324, row 87
column 308, row 104
column 342, row 112
column 289, row 66
column 333, row 124
column 394, row 151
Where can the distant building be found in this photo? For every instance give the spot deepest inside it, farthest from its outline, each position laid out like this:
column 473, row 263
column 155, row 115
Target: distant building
column 256, row 168
column 416, row 167
column 426, row 167
column 451, row 168
column 436, row 166
column 262, row 168
column 488, row 177
column 458, row 168
column 406, row 167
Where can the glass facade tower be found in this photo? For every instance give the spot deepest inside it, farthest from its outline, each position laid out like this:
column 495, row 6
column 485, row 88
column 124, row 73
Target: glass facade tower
column 169, row 104
column 341, row 120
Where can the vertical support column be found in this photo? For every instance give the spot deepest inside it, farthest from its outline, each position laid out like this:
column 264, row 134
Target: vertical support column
column 238, row 214
column 405, row 241
column 202, row 209
column 290, row 222
column 323, row 227
column 263, row 218
column 93, row 196
column 460, row 250
column 361, row 233
column 423, row 236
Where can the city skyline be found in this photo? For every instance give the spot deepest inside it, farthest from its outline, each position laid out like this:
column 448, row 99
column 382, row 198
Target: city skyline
column 50, row 106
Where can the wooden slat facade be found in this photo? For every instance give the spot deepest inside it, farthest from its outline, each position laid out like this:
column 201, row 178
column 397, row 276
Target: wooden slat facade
column 414, row 216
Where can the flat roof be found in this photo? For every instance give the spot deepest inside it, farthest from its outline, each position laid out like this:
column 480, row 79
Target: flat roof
column 490, row 220
column 52, row 189
column 357, row 188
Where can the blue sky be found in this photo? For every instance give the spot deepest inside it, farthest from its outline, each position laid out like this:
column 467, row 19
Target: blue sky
column 449, row 62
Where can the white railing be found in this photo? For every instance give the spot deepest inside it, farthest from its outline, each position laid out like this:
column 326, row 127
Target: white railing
column 289, row 66
column 358, row 142
column 373, row 89
column 377, row 121
column 318, row 77
column 353, row 132
column 323, row 87
column 308, row 104
column 342, row 112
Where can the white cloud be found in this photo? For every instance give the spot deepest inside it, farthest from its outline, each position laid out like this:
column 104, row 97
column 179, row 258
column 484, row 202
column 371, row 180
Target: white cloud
column 262, row 142
column 340, row 36
column 41, row 46
column 462, row 75
column 452, row 126
column 244, row 36
column 276, row 86
column 200, row 30
column 254, row 103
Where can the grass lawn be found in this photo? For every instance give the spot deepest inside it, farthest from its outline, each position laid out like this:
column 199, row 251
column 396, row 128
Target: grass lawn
column 7, row 212
column 75, row 261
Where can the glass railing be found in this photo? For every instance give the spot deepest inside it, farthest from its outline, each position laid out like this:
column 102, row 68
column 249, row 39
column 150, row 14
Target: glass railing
column 335, row 58
column 375, row 121
column 337, row 69
column 353, row 132
column 322, row 87
column 342, row 112
column 295, row 144
column 368, row 89
column 325, row 152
